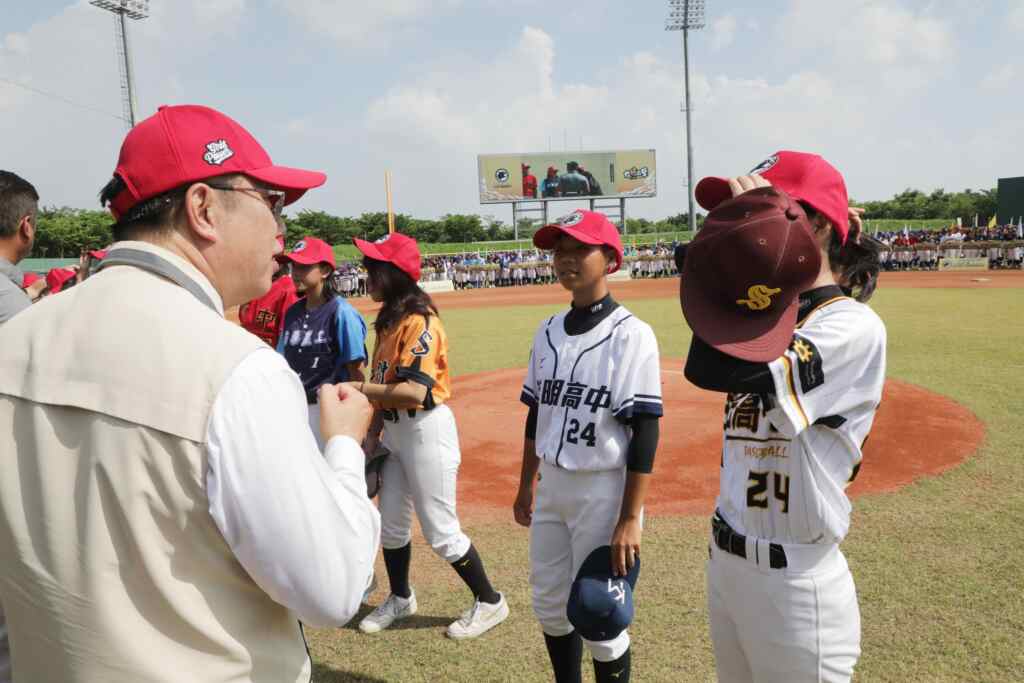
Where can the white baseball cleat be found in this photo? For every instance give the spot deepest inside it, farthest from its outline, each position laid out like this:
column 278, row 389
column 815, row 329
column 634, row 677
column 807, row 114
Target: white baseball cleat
column 390, row 611
column 479, row 619
column 369, row 589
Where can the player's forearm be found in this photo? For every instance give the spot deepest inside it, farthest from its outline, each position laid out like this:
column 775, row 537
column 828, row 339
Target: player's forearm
column 401, row 395
column 633, row 495
column 530, row 464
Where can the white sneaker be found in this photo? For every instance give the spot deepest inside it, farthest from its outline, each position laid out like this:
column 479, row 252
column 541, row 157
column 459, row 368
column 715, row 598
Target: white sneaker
column 480, row 619
column 390, row 611
column 370, row 589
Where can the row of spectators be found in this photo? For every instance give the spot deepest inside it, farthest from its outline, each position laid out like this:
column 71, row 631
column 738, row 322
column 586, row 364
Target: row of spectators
column 1000, row 254
column 996, row 233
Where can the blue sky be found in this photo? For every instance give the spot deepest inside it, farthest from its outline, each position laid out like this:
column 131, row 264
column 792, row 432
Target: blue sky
column 896, row 93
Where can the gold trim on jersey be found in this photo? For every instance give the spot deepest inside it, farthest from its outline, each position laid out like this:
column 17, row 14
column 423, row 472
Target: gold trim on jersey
column 792, row 389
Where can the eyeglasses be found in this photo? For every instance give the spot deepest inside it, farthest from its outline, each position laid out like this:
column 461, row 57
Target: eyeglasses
column 274, row 199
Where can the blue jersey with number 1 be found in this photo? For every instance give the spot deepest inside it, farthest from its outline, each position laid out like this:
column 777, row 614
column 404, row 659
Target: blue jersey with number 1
column 318, row 344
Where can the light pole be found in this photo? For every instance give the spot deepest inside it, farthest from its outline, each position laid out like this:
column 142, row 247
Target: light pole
column 686, row 16
column 122, row 9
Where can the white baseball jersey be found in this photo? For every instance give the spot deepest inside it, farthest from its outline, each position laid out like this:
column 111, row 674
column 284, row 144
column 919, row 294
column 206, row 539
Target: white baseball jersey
column 788, row 457
column 586, row 388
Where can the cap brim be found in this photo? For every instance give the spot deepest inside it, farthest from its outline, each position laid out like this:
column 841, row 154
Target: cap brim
column 757, row 338
column 369, row 249
column 294, row 181
column 712, row 191
column 301, row 259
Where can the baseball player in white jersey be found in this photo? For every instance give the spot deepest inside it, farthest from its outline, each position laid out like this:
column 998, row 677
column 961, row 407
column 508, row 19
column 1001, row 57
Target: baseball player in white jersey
column 593, row 386
column 803, row 365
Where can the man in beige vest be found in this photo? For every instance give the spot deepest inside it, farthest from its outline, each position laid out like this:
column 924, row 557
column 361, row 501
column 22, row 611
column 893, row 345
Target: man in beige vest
column 165, row 513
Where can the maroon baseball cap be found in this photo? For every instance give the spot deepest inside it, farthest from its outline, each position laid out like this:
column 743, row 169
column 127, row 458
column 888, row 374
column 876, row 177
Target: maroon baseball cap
column 804, row 177
column 744, row 272
column 589, row 227
column 189, row 143
column 309, row 251
column 395, row 248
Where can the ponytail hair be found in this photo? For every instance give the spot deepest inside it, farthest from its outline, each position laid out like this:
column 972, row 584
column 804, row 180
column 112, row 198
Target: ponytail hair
column 401, row 295
column 855, row 263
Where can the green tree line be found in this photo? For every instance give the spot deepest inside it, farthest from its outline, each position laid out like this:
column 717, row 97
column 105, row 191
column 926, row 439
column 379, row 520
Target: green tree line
column 65, row 232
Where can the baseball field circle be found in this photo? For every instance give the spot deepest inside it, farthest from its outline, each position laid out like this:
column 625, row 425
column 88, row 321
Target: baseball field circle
column 917, row 433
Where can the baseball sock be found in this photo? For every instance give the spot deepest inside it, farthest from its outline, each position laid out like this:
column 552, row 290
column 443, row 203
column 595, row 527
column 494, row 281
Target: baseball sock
column 397, row 563
column 615, row 671
column 470, row 569
column 565, row 653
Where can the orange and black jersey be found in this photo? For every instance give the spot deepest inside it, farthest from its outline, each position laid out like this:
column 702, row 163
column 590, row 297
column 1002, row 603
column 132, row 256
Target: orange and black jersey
column 415, row 349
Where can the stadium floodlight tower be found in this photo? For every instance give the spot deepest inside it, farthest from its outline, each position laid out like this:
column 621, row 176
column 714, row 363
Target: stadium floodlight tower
column 122, row 10
column 686, row 16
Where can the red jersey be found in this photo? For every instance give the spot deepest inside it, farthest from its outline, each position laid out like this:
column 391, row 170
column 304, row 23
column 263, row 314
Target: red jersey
column 265, row 316
column 529, row 186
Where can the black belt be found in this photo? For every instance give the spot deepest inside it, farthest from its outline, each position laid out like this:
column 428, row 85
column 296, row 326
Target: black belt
column 736, row 544
column 392, row 414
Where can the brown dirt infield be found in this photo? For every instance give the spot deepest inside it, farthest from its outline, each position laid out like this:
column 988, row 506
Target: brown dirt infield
column 665, row 288
column 916, row 433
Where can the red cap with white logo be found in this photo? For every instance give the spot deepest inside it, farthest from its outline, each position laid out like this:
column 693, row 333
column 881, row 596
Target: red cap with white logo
column 589, row 227
column 189, row 143
column 397, row 249
column 309, row 251
column 804, row 177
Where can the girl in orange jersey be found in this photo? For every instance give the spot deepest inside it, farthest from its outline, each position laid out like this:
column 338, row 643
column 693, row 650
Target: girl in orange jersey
column 409, row 386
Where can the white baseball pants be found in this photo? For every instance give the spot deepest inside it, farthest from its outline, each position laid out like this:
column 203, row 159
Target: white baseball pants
column 800, row 624
column 573, row 513
column 420, row 474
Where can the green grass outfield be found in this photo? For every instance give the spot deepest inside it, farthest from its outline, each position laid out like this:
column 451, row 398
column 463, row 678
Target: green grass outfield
column 939, row 566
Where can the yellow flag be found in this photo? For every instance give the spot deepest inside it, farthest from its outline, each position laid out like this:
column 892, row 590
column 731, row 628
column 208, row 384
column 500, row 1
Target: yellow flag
column 992, row 222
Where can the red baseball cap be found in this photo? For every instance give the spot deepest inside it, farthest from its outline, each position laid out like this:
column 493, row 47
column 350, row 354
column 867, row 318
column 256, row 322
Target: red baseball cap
column 395, row 248
column 30, row 279
column 58, row 277
column 804, row 177
column 188, row 143
column 308, row 251
column 744, row 272
column 589, row 227
column 98, row 254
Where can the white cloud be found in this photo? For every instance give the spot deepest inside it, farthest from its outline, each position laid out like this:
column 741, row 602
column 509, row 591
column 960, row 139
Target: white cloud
column 1001, row 78
column 357, row 23
column 210, row 13
column 1015, row 17
column 881, row 41
column 723, row 31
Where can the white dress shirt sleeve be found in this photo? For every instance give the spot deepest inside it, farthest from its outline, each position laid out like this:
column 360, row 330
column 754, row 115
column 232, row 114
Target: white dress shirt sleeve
column 299, row 522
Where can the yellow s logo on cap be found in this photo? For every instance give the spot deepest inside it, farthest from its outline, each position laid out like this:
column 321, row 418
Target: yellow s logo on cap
column 760, row 297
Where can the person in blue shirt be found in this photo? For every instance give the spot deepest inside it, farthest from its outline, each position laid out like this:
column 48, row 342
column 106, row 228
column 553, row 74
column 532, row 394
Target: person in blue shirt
column 323, row 338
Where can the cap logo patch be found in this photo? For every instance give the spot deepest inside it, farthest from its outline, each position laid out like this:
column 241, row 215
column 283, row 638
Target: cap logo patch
column 760, row 297
column 217, row 152
column 616, row 589
column 382, row 240
column 299, row 247
column 765, row 165
column 572, row 219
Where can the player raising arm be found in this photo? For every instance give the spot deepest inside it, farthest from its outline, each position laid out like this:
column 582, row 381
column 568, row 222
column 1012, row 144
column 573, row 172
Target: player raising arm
column 593, row 387
column 766, row 289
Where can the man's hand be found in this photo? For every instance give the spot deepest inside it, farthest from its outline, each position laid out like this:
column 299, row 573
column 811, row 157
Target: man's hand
column 625, row 545
column 343, row 412
column 745, row 183
column 522, row 509
column 36, row 288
